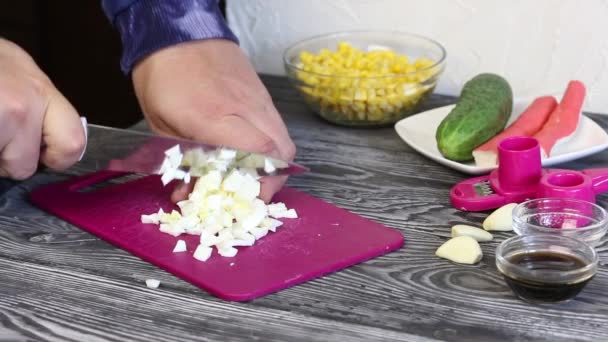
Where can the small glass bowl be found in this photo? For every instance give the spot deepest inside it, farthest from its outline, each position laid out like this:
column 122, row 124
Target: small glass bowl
column 582, row 220
column 546, row 268
column 365, row 100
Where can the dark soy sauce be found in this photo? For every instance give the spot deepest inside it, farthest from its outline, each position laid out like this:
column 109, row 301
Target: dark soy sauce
column 538, row 291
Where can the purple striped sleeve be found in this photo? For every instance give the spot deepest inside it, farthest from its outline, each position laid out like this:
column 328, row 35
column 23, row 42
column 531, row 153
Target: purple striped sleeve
column 146, row 26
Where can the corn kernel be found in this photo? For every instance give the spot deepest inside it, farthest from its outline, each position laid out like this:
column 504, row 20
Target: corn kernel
column 360, row 94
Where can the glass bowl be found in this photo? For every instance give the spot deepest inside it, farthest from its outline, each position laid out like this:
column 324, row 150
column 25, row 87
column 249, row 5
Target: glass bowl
column 582, row 220
column 365, row 78
column 546, row 268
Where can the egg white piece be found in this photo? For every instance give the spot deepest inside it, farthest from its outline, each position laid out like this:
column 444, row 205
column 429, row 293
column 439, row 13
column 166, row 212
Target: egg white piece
column 180, row 247
column 152, row 283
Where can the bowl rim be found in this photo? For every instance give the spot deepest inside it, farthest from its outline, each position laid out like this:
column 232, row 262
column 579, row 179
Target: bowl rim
column 602, row 224
column 289, row 64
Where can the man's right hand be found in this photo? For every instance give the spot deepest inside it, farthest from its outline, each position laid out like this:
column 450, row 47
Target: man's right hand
column 33, row 113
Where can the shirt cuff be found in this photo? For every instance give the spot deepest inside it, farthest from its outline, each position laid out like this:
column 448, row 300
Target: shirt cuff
column 150, row 25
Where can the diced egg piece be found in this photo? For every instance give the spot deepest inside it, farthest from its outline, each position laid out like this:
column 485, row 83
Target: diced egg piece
column 179, row 174
column 180, row 246
column 209, row 182
column 279, row 164
column 257, row 215
column 214, row 202
column 152, row 283
column 249, row 190
column 269, row 166
column 233, row 181
column 168, row 176
column 274, row 208
column 188, row 207
column 152, row 218
column 279, row 210
column 241, row 210
column 175, row 150
column 227, row 220
column 209, row 240
column 245, row 239
column 196, row 197
column 174, row 216
column 271, row 224
column 175, row 156
column 188, row 222
column 196, row 230
column 259, row 233
column 196, row 159
column 291, row 213
column 252, row 172
column 225, row 235
column 227, row 154
column 221, row 165
column 202, row 253
column 227, row 252
column 171, row 229
column 253, row 160
column 164, row 166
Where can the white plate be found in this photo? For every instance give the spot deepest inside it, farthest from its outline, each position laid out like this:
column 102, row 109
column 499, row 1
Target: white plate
column 418, row 131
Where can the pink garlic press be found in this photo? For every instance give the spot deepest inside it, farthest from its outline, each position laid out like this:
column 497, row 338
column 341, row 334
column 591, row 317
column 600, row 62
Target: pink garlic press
column 520, row 177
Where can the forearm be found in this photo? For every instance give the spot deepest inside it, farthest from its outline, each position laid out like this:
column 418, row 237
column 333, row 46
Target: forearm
column 146, row 26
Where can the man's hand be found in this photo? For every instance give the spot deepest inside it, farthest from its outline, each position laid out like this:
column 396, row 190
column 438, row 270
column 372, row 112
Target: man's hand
column 33, row 112
column 208, row 91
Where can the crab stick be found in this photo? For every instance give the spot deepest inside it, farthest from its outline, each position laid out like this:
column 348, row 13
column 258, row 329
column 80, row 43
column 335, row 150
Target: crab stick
column 564, row 119
column 527, row 124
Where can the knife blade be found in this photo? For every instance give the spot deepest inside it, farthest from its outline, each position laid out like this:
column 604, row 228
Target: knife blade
column 116, row 149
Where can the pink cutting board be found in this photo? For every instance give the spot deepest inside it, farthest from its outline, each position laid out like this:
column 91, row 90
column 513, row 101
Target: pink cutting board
column 323, row 239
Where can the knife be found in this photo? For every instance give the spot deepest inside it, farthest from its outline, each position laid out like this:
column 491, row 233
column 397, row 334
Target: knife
column 115, row 149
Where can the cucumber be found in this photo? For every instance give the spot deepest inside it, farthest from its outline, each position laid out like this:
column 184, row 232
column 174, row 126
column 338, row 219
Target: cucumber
column 482, row 111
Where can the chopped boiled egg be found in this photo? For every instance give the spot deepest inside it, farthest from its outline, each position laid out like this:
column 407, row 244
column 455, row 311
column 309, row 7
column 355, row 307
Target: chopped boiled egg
column 223, row 207
column 180, row 246
column 168, row 176
column 171, row 229
column 271, row 224
column 291, row 213
column 152, row 283
column 233, row 181
column 227, row 154
column 259, row 233
column 202, row 253
column 228, row 252
column 276, row 208
column 269, row 166
column 152, row 218
column 257, row 215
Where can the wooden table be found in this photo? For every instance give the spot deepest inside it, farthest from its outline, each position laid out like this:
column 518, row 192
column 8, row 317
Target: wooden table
column 59, row 283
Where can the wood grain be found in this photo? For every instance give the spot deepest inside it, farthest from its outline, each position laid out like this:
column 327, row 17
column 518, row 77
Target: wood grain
column 59, row 283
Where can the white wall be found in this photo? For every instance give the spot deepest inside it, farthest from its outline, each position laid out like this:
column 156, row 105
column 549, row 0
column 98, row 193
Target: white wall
column 538, row 45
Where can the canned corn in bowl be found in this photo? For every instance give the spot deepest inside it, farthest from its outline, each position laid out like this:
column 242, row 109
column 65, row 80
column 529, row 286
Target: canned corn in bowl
column 369, row 78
